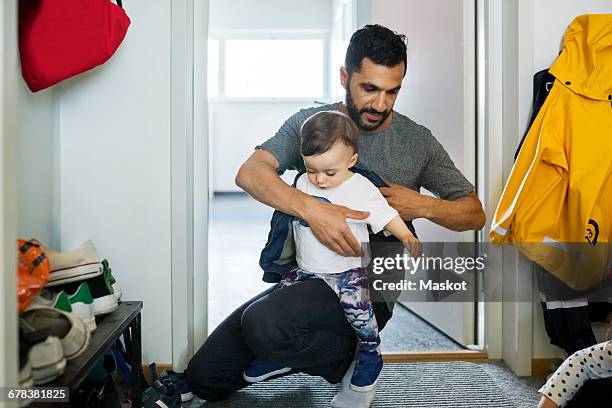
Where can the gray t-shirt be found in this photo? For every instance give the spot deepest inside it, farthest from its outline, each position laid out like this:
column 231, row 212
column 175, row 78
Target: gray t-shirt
column 405, row 153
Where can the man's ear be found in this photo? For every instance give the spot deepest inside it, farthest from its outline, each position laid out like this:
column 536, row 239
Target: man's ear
column 353, row 160
column 343, row 77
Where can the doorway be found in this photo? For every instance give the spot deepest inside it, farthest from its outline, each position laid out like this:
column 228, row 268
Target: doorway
column 244, row 110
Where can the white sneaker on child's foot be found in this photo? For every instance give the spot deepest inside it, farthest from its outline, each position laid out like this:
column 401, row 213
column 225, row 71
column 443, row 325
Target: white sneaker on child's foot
column 348, row 398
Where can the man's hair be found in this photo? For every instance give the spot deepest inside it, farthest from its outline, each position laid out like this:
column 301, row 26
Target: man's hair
column 324, row 129
column 377, row 43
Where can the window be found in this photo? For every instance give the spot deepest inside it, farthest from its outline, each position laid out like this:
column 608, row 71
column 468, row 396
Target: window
column 267, row 68
column 213, row 68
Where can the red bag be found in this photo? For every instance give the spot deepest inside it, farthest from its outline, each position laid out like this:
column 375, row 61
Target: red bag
column 62, row 38
column 32, row 271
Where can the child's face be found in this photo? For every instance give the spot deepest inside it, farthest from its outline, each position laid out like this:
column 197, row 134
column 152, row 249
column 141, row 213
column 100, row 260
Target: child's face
column 331, row 168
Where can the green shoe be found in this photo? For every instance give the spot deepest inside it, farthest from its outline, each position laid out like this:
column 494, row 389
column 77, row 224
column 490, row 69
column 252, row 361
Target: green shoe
column 111, row 282
column 55, row 300
column 82, row 304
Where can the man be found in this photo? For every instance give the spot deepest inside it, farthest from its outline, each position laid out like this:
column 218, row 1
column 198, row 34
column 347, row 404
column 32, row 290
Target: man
column 274, row 325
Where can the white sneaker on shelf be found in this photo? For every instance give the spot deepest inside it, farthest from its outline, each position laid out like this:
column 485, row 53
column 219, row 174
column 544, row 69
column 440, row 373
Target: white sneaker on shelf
column 47, row 360
column 71, row 266
column 82, row 304
column 71, row 330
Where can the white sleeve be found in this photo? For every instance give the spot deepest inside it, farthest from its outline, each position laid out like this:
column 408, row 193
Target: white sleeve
column 587, row 364
column 381, row 213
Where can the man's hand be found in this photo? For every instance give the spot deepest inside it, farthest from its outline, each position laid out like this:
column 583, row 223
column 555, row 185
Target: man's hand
column 408, row 203
column 328, row 223
column 461, row 214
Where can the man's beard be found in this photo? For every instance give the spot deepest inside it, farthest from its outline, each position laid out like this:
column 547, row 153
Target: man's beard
column 355, row 113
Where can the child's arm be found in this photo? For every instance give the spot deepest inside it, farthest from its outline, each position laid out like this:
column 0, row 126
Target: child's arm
column 399, row 229
column 597, row 364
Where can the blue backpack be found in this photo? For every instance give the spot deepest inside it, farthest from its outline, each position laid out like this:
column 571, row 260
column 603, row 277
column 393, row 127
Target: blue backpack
column 277, row 258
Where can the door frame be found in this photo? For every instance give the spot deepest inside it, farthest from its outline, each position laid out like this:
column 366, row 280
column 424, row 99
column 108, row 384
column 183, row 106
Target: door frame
column 494, row 18
column 202, row 187
column 9, row 80
column 507, row 28
column 189, row 175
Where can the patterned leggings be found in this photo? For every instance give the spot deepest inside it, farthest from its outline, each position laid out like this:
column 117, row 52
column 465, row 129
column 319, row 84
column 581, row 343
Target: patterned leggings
column 352, row 290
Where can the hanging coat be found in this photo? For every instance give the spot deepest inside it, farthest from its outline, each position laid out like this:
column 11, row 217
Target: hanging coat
column 556, row 207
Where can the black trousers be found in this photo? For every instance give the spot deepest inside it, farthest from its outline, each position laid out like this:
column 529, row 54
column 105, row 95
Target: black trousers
column 301, row 326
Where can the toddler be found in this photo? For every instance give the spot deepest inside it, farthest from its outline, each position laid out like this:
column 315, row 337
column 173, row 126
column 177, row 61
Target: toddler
column 329, row 146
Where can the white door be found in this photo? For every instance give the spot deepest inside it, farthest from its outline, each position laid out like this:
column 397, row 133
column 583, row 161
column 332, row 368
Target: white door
column 439, row 93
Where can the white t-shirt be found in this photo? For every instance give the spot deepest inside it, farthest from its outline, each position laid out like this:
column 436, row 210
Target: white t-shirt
column 357, row 193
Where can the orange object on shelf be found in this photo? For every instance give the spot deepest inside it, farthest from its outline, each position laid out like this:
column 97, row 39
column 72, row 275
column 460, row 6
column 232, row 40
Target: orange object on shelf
column 32, row 271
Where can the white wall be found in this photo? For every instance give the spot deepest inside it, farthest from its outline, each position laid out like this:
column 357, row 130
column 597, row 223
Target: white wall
column 38, row 186
column 552, row 18
column 270, row 14
column 116, row 167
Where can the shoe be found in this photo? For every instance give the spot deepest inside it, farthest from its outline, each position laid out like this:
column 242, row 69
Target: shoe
column 105, row 395
column 79, row 303
column 26, row 379
column 71, row 266
column 82, row 304
column 104, row 300
column 98, row 394
column 160, row 395
column 54, row 300
column 69, row 329
column 179, row 381
column 260, row 370
column 347, row 398
column 44, row 353
column 366, row 373
column 110, row 280
column 47, row 360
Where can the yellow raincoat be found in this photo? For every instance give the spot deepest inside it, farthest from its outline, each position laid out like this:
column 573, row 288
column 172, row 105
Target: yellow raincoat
column 557, row 204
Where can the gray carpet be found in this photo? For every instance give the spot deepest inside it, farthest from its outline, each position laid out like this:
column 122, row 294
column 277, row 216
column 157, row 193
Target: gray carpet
column 422, row 385
column 522, row 390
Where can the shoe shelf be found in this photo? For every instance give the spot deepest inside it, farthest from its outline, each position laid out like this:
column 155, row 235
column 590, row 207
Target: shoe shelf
column 124, row 321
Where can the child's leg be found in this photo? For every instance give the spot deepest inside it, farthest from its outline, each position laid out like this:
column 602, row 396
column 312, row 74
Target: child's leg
column 352, row 289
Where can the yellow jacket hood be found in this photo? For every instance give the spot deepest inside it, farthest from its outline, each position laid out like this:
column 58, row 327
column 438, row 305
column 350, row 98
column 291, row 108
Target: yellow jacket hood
column 584, row 64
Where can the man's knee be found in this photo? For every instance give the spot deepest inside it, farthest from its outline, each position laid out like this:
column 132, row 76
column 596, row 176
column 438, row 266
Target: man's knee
column 263, row 331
